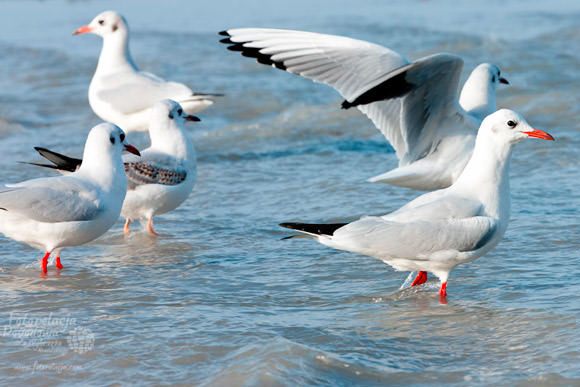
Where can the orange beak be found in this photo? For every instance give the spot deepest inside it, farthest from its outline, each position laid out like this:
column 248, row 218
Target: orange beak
column 82, row 30
column 539, row 134
column 132, row 149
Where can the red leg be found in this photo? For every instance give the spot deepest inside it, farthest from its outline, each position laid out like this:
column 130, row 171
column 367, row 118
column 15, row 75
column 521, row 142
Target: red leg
column 421, row 278
column 58, row 265
column 443, row 290
column 44, row 262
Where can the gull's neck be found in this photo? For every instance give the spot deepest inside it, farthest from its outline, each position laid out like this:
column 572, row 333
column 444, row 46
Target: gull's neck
column 478, row 96
column 486, row 176
column 172, row 141
column 104, row 170
column 115, row 55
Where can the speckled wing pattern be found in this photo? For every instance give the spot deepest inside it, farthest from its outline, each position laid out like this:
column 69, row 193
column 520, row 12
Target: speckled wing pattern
column 140, row 173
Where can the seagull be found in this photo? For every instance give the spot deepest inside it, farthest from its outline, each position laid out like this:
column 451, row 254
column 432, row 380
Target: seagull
column 162, row 178
column 56, row 212
column 415, row 105
column 122, row 94
column 442, row 229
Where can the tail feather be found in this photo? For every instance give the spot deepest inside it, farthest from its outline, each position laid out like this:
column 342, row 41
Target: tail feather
column 61, row 162
column 208, row 94
column 313, row 228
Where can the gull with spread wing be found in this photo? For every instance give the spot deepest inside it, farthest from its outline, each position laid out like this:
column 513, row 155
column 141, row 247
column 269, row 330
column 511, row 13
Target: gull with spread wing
column 122, row 94
column 415, row 105
column 162, row 177
column 56, row 212
column 442, row 229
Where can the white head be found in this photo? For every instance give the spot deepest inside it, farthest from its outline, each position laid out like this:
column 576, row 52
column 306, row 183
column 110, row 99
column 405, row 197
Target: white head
column 507, row 126
column 166, row 129
column 108, row 23
column 103, row 147
column 489, row 73
column 167, row 114
column 478, row 94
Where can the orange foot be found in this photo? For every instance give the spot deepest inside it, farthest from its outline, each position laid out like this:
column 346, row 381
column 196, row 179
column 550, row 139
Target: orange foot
column 150, row 227
column 58, row 265
column 421, row 278
column 126, row 229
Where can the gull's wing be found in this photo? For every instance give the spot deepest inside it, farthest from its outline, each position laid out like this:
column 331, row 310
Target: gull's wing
column 153, row 168
column 404, row 100
column 382, row 238
column 131, row 92
column 141, row 173
column 51, row 200
column 435, row 206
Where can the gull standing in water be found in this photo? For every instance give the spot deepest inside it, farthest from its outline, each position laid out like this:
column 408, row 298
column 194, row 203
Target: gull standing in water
column 442, row 229
column 122, row 94
column 56, row 212
column 415, row 105
column 162, row 177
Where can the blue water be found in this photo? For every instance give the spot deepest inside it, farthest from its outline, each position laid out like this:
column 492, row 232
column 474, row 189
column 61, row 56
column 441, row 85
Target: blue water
column 221, row 300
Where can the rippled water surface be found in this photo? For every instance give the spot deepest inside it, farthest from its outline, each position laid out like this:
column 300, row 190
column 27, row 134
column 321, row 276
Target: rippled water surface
column 220, row 299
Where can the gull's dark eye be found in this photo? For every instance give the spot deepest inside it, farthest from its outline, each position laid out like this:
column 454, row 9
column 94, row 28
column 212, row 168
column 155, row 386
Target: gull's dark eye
column 122, row 137
column 180, row 111
column 101, row 22
column 511, row 124
column 112, row 139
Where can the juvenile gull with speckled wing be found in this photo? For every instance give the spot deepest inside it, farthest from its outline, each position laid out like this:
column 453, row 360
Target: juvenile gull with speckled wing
column 162, row 178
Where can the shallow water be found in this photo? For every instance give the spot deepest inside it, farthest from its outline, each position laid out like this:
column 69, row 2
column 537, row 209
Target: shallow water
column 220, row 299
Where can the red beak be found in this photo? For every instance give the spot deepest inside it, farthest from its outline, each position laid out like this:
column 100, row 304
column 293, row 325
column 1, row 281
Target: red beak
column 82, row 30
column 132, row 149
column 503, row 80
column 539, row 134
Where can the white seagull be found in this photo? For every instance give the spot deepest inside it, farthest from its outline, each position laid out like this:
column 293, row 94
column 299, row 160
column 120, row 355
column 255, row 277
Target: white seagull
column 56, row 212
column 162, row 177
column 415, row 105
column 122, row 94
column 442, row 229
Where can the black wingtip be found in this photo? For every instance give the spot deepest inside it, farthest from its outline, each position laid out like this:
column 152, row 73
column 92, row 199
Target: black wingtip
column 39, row 164
column 60, row 161
column 224, row 33
column 252, row 52
column 314, row 228
column 345, row 105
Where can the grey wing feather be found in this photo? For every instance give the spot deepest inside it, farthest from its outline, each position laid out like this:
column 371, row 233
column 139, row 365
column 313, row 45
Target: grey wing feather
column 411, row 240
column 45, row 204
column 140, row 173
column 400, row 98
column 134, row 92
column 410, row 123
